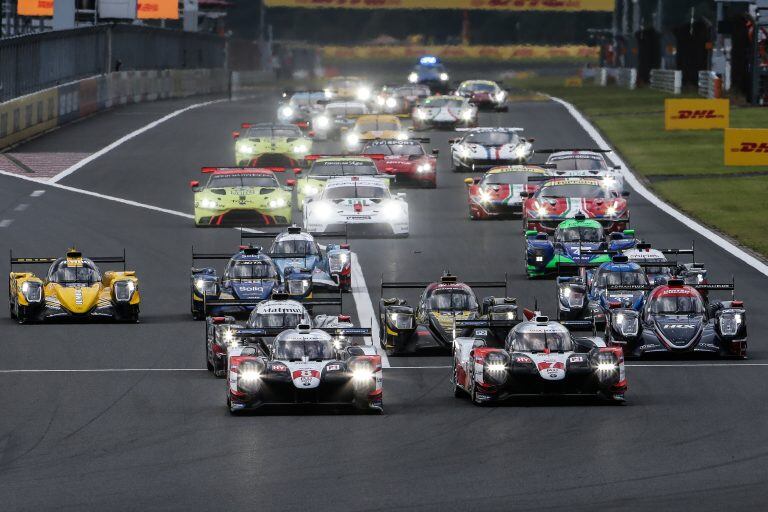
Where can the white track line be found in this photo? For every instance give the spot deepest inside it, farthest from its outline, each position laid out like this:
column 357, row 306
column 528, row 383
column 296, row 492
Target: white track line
column 365, row 307
column 122, row 140
column 629, row 177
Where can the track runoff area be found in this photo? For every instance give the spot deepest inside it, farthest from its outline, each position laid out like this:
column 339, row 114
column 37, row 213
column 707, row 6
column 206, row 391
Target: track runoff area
column 122, row 416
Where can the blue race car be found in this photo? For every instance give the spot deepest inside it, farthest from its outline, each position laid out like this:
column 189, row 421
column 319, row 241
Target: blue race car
column 431, row 72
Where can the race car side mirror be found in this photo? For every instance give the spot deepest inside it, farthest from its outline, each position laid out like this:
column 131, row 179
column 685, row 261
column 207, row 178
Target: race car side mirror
column 194, row 184
column 435, row 152
column 530, row 139
column 453, row 141
column 235, row 135
column 296, row 170
column 311, row 133
column 290, row 183
column 469, row 181
column 625, row 193
column 524, row 194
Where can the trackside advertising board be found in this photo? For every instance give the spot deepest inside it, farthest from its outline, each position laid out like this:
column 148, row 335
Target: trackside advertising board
column 746, row 146
column 157, row 9
column 696, row 114
column 34, row 8
column 495, row 5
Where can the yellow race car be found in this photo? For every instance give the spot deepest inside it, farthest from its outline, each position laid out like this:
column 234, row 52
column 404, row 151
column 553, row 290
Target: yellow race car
column 326, row 167
column 73, row 289
column 348, row 88
column 270, row 145
column 371, row 127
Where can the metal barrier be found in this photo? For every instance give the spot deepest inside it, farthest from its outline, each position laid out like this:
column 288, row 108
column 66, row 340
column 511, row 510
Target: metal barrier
column 710, row 84
column 623, row 77
column 667, row 80
column 34, row 62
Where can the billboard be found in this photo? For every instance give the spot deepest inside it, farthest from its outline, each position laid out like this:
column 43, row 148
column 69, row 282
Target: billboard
column 496, row 5
column 696, row 114
column 746, row 146
column 35, row 8
column 157, row 9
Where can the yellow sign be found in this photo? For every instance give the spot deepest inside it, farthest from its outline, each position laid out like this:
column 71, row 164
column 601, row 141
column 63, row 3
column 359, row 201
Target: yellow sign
column 696, row 114
column 494, row 5
column 35, row 8
column 746, row 146
column 459, row 52
column 157, row 9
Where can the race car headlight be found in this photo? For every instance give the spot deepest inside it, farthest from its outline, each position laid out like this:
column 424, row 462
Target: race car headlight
column 328, row 93
column 244, row 147
column 606, row 366
column 541, row 211
column 337, row 261
column 299, row 286
column 363, row 93
column 610, row 211
column 730, row 323
column 420, row 114
column 300, row 148
column 467, row 114
column 353, row 139
column 32, row 291
column 413, row 77
column 392, row 210
column 380, row 101
column 424, row 168
column 228, row 336
column 205, row 287
column 362, row 374
column 250, row 376
column 277, row 203
column 626, row 324
column 124, row 290
column 443, row 77
column 390, row 103
column 521, row 151
column 310, row 190
column 286, row 112
column 500, row 96
column 400, row 320
column 323, row 211
column 209, row 204
column 321, row 122
column 496, row 367
column 401, row 136
column 485, row 197
column 573, row 298
column 608, row 182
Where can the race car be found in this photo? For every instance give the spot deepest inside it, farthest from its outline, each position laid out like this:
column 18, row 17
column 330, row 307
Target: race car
column 540, row 358
column 325, row 167
column 330, row 266
column 270, row 144
column 242, row 195
column 431, row 72
column 301, row 107
column 497, row 193
column 348, row 88
column 74, row 289
column 480, row 149
column 575, row 242
column 337, row 116
column 400, row 100
column 431, row 324
column 486, row 94
column 658, row 269
column 559, row 199
column 359, row 206
column 250, row 275
column 585, row 163
column 678, row 319
column 405, row 160
column 306, row 366
column 371, row 127
column 444, row 113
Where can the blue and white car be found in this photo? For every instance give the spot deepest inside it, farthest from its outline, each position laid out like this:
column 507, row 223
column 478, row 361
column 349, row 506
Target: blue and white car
column 480, row 149
column 431, row 72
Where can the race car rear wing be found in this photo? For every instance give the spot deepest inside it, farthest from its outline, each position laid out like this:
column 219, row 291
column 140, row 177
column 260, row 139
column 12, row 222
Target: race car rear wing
column 572, row 325
column 424, row 284
column 508, row 129
column 70, row 254
column 247, row 168
column 209, row 304
column 247, row 235
column 563, row 150
column 346, row 332
column 676, row 282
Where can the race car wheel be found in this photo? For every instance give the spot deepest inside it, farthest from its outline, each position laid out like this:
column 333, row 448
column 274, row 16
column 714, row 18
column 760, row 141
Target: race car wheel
column 196, row 315
column 473, row 393
column 219, row 368
column 457, row 391
column 208, row 364
column 11, row 312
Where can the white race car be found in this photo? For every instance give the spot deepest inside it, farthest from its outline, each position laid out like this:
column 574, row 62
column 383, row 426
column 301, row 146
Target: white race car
column 337, row 115
column 359, row 205
column 481, row 149
column 444, row 112
column 583, row 162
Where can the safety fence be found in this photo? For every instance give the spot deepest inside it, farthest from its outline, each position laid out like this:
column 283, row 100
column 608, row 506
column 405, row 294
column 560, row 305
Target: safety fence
column 623, row 77
column 667, row 80
column 460, row 53
column 710, row 84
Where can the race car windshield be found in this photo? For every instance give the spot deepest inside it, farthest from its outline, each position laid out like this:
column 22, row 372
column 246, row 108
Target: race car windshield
column 307, row 98
column 296, row 350
column 378, row 125
column 343, row 169
column 356, row 191
column 266, row 133
column 507, row 178
column 394, row 149
column 443, row 102
column 412, row 91
column 541, row 341
column 587, row 191
column 251, row 270
column 580, row 234
column 579, row 164
column 615, row 278
column 678, row 305
column 225, row 181
column 479, row 88
column 349, row 110
column 305, row 247
column 74, row 275
column 452, row 300
column 285, row 319
column 492, row 138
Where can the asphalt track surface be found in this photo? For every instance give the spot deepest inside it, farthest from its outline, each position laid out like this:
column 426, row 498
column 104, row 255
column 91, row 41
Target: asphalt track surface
column 159, row 436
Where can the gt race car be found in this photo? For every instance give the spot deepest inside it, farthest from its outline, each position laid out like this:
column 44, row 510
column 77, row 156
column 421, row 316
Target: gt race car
column 323, row 168
column 584, row 163
column 349, row 88
column 484, row 148
column 432, row 323
column 371, row 127
column 74, row 289
column 558, row 199
column 678, row 319
column 338, row 116
column 303, row 366
column 330, row 266
column 270, row 144
column 242, row 195
column 400, row 99
column 540, row 358
column 301, row 107
column 497, row 193
column 486, row 94
column 405, row 160
column 359, row 206
column 431, row 72
column 444, row 113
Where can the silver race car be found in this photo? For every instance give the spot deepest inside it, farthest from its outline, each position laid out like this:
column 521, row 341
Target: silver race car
column 481, row 149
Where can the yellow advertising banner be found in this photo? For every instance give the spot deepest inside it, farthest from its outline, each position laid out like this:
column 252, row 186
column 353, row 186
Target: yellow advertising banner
column 157, row 9
column 501, row 53
column 746, row 146
column 696, row 114
column 494, row 5
column 34, row 8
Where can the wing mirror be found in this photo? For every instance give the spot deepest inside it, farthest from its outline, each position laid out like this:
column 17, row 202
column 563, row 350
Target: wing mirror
column 235, row 135
column 435, row 152
column 625, row 193
column 194, row 184
column 290, row 183
column 524, row 194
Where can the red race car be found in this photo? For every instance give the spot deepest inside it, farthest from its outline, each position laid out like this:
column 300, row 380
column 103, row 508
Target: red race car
column 559, row 199
column 497, row 193
column 406, row 160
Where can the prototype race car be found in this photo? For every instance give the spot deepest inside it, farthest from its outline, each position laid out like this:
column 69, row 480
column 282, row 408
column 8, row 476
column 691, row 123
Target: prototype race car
column 306, row 366
column 540, row 358
column 73, row 289
column 326, row 167
column 575, row 242
column 348, row 88
column 270, row 144
column 301, row 107
column 444, row 113
column 559, row 199
column 400, row 100
column 585, row 163
column 405, row 160
column 371, row 127
column 678, row 319
column 359, row 206
column 486, row 94
column 659, row 270
column 240, row 196
column 484, row 148
column 431, row 72
column 497, row 193
column 338, row 116
column 431, row 324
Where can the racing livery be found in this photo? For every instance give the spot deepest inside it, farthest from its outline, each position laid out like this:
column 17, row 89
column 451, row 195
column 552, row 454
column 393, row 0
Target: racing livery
column 405, row 160
column 431, row 72
column 585, row 163
column 338, row 116
column 486, row 94
column 484, row 148
column 445, row 113
column 73, row 289
column 497, row 193
column 242, row 195
column 270, row 144
column 323, row 168
column 371, row 127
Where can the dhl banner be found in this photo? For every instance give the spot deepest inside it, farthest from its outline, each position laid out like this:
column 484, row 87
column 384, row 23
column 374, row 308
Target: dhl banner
column 505, row 53
column 157, row 9
column 696, row 114
column 35, row 8
column 746, row 146
column 496, row 5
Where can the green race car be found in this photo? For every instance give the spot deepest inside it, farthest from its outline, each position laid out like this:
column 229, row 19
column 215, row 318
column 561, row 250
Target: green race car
column 326, row 167
column 242, row 196
column 271, row 145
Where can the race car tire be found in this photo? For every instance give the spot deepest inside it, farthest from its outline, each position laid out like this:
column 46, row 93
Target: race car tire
column 208, row 363
column 457, row 391
column 11, row 312
column 196, row 315
column 473, row 393
column 459, row 168
column 219, row 369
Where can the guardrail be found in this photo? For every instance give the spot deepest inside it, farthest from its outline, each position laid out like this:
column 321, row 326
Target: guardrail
column 667, row 80
column 623, row 77
column 710, row 84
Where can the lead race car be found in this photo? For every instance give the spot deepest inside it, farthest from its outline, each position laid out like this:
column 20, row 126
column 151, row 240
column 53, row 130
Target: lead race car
column 539, row 358
column 497, row 193
column 307, row 366
column 444, row 113
column 74, row 288
column 487, row 147
column 405, row 160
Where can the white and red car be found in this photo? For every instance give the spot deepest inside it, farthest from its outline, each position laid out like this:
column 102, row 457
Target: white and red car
column 405, row 160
